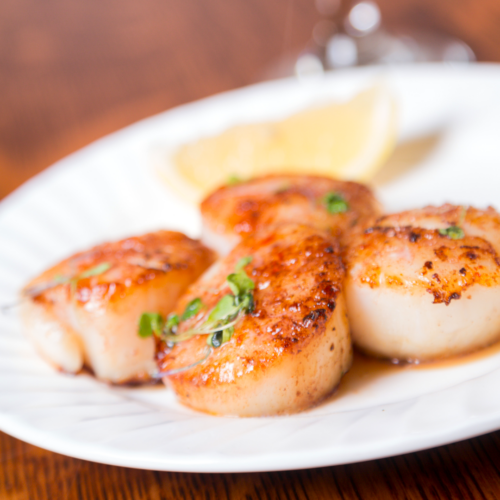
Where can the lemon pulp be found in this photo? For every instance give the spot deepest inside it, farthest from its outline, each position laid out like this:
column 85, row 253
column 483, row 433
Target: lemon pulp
column 348, row 140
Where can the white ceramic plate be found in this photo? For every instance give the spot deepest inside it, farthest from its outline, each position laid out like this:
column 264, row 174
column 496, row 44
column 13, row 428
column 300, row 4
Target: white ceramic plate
column 108, row 190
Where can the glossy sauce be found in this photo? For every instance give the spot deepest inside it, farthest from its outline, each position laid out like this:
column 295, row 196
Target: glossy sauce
column 459, row 360
column 365, row 369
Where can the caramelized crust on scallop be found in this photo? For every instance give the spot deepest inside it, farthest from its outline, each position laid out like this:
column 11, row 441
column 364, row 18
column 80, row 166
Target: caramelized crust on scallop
column 291, row 351
column 233, row 212
column 476, row 222
column 407, row 258
column 93, row 320
column 134, row 262
column 416, row 292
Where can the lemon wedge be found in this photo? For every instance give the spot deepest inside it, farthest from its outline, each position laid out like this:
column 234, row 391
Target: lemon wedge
column 348, row 140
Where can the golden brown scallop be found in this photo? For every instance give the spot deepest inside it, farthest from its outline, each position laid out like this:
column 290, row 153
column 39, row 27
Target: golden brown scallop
column 425, row 284
column 233, row 212
column 286, row 355
column 85, row 310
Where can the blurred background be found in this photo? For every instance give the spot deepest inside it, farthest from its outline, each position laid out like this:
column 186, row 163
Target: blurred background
column 72, row 71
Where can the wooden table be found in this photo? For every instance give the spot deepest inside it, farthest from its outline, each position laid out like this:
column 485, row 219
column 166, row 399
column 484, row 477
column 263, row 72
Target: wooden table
column 73, row 71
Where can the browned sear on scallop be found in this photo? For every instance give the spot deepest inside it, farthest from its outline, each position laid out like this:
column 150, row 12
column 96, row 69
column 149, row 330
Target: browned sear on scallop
column 233, row 212
column 85, row 310
column 280, row 358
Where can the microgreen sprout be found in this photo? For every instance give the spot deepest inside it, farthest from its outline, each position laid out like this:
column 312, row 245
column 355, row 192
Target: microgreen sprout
column 149, row 324
column 453, row 232
column 93, row 271
column 89, row 273
column 335, row 203
column 233, row 179
column 463, row 213
column 60, row 279
column 172, row 322
column 192, row 309
column 220, row 321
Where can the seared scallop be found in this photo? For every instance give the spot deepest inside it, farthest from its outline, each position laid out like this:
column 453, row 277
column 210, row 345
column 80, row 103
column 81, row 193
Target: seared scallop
column 233, row 212
column 284, row 343
column 85, row 310
column 425, row 284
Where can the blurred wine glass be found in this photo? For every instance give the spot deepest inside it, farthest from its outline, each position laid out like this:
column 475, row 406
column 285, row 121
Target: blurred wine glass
column 360, row 38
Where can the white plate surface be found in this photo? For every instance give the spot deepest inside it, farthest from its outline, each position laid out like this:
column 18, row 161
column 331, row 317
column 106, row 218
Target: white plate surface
column 109, row 190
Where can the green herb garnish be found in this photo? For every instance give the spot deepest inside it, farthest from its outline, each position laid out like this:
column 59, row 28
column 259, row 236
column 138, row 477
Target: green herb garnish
column 240, row 283
column 192, row 309
column 220, row 337
column 60, row 279
column 243, row 262
column 220, row 321
column 149, row 324
column 223, row 309
column 335, row 203
column 233, row 179
column 172, row 322
column 242, row 286
column 93, row 271
column 453, row 232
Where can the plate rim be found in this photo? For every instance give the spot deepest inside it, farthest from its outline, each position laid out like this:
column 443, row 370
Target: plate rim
column 64, row 446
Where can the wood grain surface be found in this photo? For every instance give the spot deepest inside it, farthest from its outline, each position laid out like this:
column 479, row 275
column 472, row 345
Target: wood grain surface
column 72, row 71
column 466, row 470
